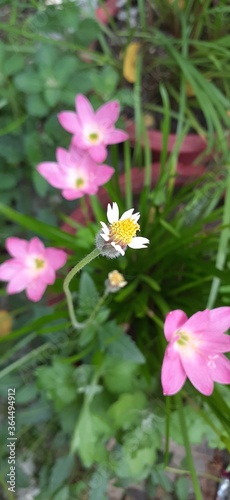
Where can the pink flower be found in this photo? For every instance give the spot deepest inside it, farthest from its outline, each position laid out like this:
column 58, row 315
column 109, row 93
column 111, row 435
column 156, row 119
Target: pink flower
column 93, row 131
column 195, row 350
column 32, row 267
column 75, row 173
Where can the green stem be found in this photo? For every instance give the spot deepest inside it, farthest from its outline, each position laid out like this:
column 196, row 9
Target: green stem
column 95, row 253
column 187, row 446
column 128, row 178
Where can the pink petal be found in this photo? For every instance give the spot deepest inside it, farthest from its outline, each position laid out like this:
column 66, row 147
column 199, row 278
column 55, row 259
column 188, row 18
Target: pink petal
column 198, row 322
column 84, row 110
column 35, row 290
column 215, row 342
column 79, row 141
column 104, row 173
column 36, row 246
column 220, row 369
column 19, row 281
column 72, row 194
column 55, row 257
column 195, row 366
column 173, row 375
column 16, row 247
column 108, row 114
column 53, row 174
column 9, row 268
column 114, row 136
column 98, row 153
column 174, row 321
column 63, row 157
column 220, row 319
column 69, row 121
column 48, row 276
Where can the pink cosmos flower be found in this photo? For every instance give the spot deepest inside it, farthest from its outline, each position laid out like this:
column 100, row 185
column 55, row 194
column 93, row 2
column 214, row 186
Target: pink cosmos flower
column 32, row 267
column 93, row 131
column 195, row 350
column 75, row 173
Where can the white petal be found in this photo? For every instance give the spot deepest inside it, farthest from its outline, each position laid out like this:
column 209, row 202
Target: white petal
column 104, row 236
column 118, row 248
column 127, row 214
column 138, row 242
column 136, row 217
column 105, row 228
column 113, row 213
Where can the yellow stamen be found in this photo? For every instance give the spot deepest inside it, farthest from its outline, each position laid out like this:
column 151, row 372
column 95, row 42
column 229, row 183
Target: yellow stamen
column 79, row 182
column 123, row 231
column 39, row 263
column 183, row 340
column 93, row 137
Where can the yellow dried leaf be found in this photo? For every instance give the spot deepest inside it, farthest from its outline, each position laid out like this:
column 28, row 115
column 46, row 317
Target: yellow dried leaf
column 130, row 62
column 6, row 322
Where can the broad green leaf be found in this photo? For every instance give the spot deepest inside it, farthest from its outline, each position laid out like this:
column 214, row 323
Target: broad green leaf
column 13, row 64
column 63, row 494
column 36, row 106
column 118, row 344
column 127, row 409
column 120, row 376
column 98, row 484
column 33, row 148
column 60, row 472
column 40, row 184
column 52, row 96
column 88, row 31
column 8, row 181
column 88, row 294
column 28, row 82
column 89, row 437
column 182, row 488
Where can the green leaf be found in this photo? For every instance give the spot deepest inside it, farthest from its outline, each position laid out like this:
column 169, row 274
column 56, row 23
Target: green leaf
column 28, row 82
column 33, row 148
column 52, row 96
column 11, row 148
column 105, row 82
column 36, row 106
column 40, row 184
column 88, row 294
column 60, row 472
column 120, row 376
column 13, row 64
column 8, row 181
column 90, row 434
column 126, row 410
column 46, row 56
column 182, row 488
column 88, row 31
column 118, row 344
column 63, row 494
column 98, row 484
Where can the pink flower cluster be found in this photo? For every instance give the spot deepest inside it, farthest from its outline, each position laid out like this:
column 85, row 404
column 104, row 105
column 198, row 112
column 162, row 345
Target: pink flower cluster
column 79, row 171
column 195, row 350
column 32, row 267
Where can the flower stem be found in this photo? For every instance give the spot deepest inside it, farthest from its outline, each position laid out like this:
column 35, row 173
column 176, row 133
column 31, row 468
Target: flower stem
column 95, row 253
column 187, row 446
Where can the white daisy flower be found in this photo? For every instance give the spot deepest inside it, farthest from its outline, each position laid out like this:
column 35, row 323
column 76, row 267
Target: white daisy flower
column 119, row 233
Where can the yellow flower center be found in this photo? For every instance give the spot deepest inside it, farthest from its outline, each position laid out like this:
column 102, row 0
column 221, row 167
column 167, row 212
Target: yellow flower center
column 39, row 263
column 93, row 137
column 183, row 340
column 79, row 182
column 123, row 231
column 116, row 278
